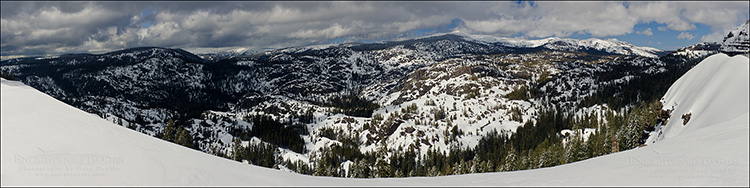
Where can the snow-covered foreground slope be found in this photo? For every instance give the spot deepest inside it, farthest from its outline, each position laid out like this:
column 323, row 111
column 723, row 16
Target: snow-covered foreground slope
column 714, row 91
column 46, row 142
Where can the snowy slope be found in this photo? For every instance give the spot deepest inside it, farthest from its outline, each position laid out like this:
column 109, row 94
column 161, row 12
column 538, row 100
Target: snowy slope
column 702, row 93
column 45, row 142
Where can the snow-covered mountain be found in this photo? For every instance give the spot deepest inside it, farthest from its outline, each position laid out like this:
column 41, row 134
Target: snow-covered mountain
column 698, row 51
column 612, row 46
column 79, row 149
column 440, row 93
column 737, row 40
column 455, row 82
column 216, row 55
column 141, row 85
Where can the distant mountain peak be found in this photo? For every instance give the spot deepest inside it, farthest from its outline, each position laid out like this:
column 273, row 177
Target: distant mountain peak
column 611, row 45
column 737, row 40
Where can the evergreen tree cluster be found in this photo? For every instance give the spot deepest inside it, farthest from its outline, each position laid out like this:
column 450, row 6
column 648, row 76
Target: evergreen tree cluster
column 274, row 132
column 351, row 104
column 7, row 75
column 261, row 154
column 640, row 121
column 519, row 94
column 178, row 135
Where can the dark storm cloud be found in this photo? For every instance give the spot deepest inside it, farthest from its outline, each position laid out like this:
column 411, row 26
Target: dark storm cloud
column 38, row 28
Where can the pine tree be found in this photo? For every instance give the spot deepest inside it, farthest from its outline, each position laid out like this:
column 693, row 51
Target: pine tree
column 169, row 131
column 237, row 150
column 630, row 133
column 383, row 168
column 509, row 162
column 433, row 171
column 184, row 138
column 549, row 155
column 358, row 169
column 475, row 164
column 489, row 166
column 457, row 168
column 575, row 150
column 320, row 169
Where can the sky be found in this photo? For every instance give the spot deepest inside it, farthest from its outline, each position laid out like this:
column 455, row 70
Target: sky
column 31, row 28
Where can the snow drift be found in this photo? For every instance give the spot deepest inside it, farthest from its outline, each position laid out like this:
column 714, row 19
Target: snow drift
column 46, row 142
column 714, row 91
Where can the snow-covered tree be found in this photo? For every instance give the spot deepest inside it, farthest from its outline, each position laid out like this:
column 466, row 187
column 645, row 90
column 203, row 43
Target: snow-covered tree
column 509, row 161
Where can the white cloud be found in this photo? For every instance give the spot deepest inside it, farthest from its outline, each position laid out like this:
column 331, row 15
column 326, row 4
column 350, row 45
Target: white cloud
column 501, row 27
column 427, row 22
column 52, row 30
column 97, row 26
column 646, row 32
column 714, row 37
column 685, row 35
column 557, row 18
column 661, row 12
column 334, row 31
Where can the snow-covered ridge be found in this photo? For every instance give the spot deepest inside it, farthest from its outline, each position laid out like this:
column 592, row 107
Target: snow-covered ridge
column 213, row 54
column 698, row 51
column 554, row 43
column 613, row 46
column 737, row 40
column 714, row 91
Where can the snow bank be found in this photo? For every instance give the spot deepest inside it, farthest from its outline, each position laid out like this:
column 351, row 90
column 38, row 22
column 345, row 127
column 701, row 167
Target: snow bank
column 46, row 142
column 714, row 91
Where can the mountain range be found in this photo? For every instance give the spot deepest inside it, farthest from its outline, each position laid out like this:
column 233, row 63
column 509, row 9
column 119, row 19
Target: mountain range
column 80, row 149
column 434, row 93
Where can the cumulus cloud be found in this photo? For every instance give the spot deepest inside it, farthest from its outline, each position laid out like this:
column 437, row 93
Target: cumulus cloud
column 502, row 27
column 668, row 13
column 334, row 31
column 39, row 28
column 54, row 29
column 717, row 36
column 685, row 35
column 562, row 19
column 646, row 32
